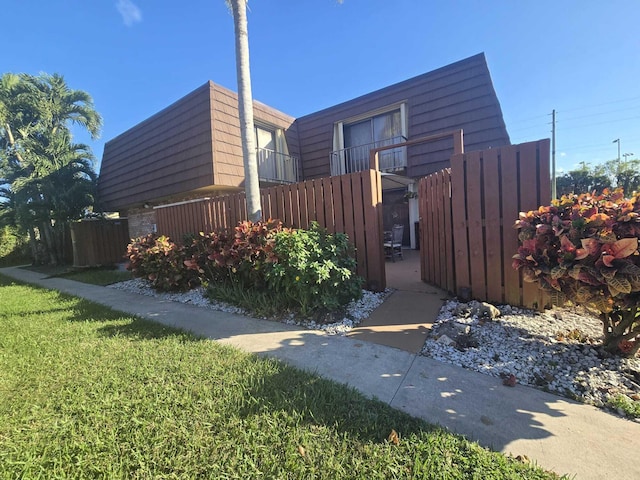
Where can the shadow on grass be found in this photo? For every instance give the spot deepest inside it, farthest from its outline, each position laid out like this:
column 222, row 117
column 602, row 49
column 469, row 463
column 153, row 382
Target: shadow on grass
column 322, row 402
column 140, row 329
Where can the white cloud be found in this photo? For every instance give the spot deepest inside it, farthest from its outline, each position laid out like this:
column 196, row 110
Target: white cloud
column 130, row 12
column 563, row 154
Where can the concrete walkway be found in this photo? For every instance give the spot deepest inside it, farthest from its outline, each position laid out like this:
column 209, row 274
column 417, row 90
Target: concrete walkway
column 406, row 317
column 558, row 434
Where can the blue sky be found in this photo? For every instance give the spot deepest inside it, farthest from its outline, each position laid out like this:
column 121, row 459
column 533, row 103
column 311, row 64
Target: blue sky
column 135, row 57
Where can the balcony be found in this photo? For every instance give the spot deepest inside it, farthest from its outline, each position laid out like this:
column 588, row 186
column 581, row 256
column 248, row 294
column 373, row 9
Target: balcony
column 276, row 167
column 356, row 159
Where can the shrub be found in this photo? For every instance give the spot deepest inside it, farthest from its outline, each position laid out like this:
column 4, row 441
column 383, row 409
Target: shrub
column 586, row 247
column 14, row 247
column 161, row 261
column 242, row 256
column 270, row 269
column 262, row 267
column 313, row 271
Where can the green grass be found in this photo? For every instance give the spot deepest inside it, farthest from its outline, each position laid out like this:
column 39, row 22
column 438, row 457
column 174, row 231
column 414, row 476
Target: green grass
column 96, row 276
column 88, row 392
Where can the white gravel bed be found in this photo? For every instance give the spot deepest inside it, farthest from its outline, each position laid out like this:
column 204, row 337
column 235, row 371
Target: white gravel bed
column 355, row 312
column 556, row 350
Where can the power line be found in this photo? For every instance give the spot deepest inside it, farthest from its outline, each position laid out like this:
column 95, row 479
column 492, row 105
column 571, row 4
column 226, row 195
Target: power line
column 535, row 117
column 602, row 113
column 601, row 123
column 602, row 104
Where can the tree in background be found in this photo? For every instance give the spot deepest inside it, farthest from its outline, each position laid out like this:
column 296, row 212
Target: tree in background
column 624, row 173
column 611, row 174
column 47, row 180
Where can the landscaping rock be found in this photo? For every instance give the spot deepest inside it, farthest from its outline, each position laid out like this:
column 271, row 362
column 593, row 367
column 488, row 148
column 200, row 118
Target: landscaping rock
column 525, row 343
column 485, row 310
column 446, row 340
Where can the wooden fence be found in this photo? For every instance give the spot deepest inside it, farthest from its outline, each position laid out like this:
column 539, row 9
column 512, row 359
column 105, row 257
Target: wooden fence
column 350, row 204
column 99, row 242
column 467, row 214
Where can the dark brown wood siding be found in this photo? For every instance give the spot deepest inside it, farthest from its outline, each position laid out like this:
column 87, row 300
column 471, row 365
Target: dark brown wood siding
column 228, row 164
column 169, row 153
column 192, row 144
column 460, row 95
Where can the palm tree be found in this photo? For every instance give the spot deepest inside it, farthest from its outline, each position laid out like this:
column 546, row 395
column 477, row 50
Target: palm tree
column 58, row 105
column 50, row 179
column 245, row 108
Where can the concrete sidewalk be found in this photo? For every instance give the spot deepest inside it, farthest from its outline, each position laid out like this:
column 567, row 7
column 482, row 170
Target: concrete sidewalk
column 556, row 433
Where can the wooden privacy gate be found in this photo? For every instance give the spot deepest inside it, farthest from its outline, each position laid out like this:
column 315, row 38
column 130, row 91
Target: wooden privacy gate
column 350, row 204
column 467, row 214
column 99, row 242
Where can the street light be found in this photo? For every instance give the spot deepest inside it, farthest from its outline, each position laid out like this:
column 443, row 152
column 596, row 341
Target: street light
column 625, row 155
column 617, row 140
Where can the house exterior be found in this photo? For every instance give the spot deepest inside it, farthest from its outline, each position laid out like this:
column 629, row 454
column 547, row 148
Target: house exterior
column 192, row 148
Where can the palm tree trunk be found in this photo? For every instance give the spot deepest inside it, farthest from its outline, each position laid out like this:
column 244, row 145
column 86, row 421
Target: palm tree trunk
column 245, row 108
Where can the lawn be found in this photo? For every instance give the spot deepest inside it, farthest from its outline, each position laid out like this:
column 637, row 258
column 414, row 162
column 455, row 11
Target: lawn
column 88, row 392
column 94, row 275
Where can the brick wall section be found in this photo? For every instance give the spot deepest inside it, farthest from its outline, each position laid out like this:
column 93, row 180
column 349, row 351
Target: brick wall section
column 141, row 222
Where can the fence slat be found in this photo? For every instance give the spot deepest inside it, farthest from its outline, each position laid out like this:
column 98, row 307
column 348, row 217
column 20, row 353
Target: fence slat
column 492, row 226
column 474, row 225
column 461, row 243
column 359, row 238
column 440, row 259
column 422, row 214
column 329, row 216
column 372, row 211
column 450, row 286
column 509, row 189
column 338, row 213
column 277, row 194
column 347, row 203
column 319, row 201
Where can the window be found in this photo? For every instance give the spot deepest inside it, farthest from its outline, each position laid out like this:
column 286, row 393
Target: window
column 376, row 130
column 354, row 139
column 265, row 139
column 274, row 162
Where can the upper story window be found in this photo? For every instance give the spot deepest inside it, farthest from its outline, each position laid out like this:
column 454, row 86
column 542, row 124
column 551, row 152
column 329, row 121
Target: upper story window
column 376, row 129
column 354, row 138
column 265, row 139
column 275, row 165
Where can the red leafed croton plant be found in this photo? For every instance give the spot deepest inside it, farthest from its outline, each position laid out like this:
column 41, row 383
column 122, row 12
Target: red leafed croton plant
column 586, row 247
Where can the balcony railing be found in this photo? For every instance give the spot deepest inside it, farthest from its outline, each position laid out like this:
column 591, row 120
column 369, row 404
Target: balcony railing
column 356, row 159
column 276, row 167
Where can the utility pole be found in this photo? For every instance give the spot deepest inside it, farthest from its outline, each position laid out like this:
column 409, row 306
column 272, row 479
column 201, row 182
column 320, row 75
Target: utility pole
column 554, row 194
